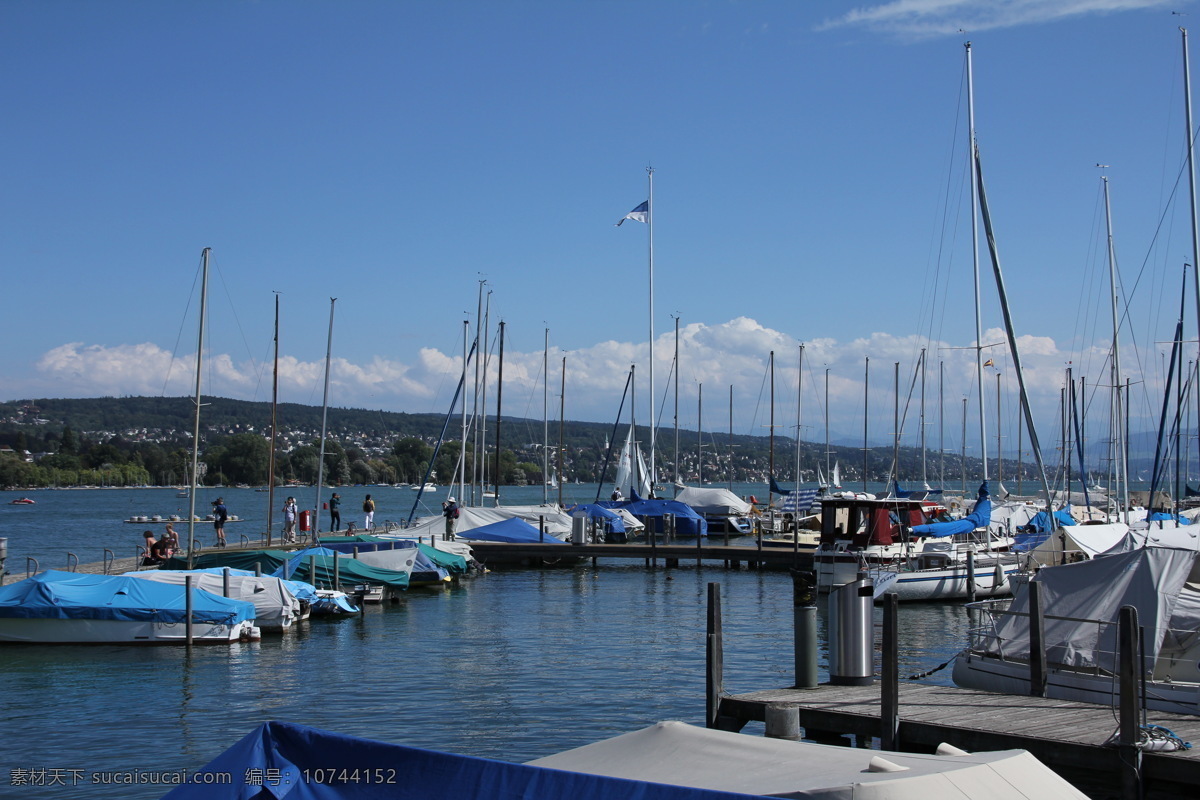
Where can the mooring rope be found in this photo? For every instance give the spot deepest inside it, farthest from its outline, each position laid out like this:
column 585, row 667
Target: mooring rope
column 930, row 672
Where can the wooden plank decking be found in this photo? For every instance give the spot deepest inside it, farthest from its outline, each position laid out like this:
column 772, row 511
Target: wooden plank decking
column 1063, row 734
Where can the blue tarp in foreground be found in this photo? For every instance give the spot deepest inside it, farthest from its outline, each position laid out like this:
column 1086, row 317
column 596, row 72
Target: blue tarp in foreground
column 279, row 760
column 69, row 595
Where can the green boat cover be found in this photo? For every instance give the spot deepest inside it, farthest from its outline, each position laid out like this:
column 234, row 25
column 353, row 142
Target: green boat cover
column 455, row 565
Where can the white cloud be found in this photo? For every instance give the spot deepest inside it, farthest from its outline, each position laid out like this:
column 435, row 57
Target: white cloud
column 717, row 356
column 920, row 19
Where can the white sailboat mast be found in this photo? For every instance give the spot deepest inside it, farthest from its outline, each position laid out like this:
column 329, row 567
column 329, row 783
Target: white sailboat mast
column 204, row 254
column 546, row 419
column 799, row 411
column 462, row 456
column 1122, row 475
column 650, row 232
column 975, row 262
column 1191, row 145
column 324, row 417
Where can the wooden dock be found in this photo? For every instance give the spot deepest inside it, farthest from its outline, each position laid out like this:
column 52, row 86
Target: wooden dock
column 671, row 554
column 1067, row 736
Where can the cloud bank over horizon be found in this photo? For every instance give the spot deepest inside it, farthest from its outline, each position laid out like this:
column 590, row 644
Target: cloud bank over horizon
column 734, row 354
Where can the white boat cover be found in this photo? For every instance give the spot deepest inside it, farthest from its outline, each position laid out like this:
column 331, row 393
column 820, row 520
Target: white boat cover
column 683, row 755
column 557, row 521
column 713, row 500
column 400, row 560
column 1091, row 540
column 275, row 606
column 1149, row 579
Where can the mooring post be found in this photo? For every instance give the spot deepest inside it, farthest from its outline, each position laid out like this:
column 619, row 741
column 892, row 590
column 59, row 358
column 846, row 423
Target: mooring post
column 714, row 670
column 804, row 620
column 225, row 581
column 258, row 569
column 187, row 609
column 889, row 712
column 1037, row 641
column 971, row 575
column 782, row 721
column 541, row 528
column 312, row 571
column 337, row 573
column 1128, row 667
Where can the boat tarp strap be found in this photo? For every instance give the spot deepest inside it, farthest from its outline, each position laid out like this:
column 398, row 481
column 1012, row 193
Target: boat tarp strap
column 285, row 752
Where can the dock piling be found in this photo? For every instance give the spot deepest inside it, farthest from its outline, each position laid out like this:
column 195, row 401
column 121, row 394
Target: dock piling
column 783, row 722
column 187, row 609
column 971, row 575
column 1129, row 733
column 1037, row 641
column 889, row 710
column 714, row 670
column 804, row 616
column 225, row 582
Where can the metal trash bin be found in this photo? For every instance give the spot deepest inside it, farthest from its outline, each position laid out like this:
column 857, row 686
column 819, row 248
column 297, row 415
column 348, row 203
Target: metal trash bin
column 579, row 523
column 852, row 633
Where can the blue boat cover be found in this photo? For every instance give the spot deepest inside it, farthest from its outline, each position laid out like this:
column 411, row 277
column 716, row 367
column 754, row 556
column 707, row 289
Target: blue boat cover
column 594, row 511
column 70, row 595
column 980, row 517
column 775, row 487
column 282, row 761
column 1162, row 516
column 513, row 529
column 654, row 513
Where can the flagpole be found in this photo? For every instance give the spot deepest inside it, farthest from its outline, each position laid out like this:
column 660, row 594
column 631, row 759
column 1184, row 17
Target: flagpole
column 653, row 418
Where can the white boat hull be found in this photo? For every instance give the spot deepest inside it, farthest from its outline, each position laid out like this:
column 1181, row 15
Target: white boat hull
column 987, row 673
column 93, row 631
column 951, row 583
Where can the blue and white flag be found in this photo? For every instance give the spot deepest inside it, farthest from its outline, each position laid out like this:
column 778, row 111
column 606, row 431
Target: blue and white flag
column 639, row 214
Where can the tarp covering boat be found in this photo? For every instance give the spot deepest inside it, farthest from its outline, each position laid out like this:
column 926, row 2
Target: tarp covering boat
column 315, row 565
column 979, row 517
column 555, row 521
column 655, row 512
column 275, row 605
column 607, row 516
column 1150, row 579
column 287, row 753
column 514, row 530
column 269, row 560
column 70, row 595
column 713, row 500
column 668, row 761
column 685, row 755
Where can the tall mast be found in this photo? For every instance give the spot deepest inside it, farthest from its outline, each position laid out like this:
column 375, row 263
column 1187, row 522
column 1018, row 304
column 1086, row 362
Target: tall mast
column 462, row 457
column 1122, row 475
column 771, row 438
column 633, row 462
column 650, row 232
column 700, row 436
column 1191, row 145
column 676, row 487
column 799, row 411
column 866, row 413
column 941, row 424
column 975, row 261
column 480, row 357
column 482, row 459
column 274, row 426
column 896, row 425
column 204, row 254
column 562, row 408
column 324, row 417
column 499, row 399
column 924, row 475
column 828, row 477
column 546, row 421
column 730, row 473
column 999, row 456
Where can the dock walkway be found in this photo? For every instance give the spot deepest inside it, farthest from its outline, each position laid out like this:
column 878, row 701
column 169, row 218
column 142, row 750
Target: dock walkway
column 1065, row 735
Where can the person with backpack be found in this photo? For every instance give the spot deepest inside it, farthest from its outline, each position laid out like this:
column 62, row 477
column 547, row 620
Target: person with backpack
column 220, row 514
column 289, row 520
column 451, row 512
column 369, row 511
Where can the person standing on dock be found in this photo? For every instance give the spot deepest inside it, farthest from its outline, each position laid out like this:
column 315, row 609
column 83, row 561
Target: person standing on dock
column 335, row 512
column 289, row 520
column 369, row 511
column 220, row 514
column 451, row 512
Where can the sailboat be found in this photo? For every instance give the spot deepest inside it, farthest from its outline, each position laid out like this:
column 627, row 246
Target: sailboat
column 836, row 478
column 631, row 468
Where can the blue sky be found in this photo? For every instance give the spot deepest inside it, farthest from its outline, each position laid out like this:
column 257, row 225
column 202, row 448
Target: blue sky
column 809, row 187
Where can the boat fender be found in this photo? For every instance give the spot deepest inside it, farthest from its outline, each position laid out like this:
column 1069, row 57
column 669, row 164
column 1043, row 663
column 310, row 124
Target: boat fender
column 753, row 500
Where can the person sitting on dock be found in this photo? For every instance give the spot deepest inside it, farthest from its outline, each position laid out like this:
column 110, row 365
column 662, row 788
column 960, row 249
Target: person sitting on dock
column 149, row 543
column 161, row 550
column 616, row 495
column 173, row 536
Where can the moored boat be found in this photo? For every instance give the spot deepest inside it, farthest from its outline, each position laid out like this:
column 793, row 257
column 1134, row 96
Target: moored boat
column 56, row 607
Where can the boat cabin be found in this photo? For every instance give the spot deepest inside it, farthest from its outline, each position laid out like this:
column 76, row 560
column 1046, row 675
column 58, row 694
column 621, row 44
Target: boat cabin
column 860, row 522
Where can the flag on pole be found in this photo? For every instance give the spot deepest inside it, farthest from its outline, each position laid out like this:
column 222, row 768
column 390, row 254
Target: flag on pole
column 989, row 363
column 639, row 214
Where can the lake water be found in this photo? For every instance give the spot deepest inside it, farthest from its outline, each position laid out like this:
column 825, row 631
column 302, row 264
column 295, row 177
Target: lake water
column 512, row 665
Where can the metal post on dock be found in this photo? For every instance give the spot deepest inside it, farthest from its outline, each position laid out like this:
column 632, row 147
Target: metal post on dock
column 714, row 670
column 312, row 571
column 356, row 549
column 889, row 711
column 971, row 574
column 336, row 571
column 72, row 562
column 187, row 609
column 225, row 582
column 804, row 621
column 1037, row 641
column 541, row 528
column 1129, row 730
column 258, row 569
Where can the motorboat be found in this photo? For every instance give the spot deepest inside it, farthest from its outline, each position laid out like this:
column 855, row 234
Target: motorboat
column 666, row 761
column 22, row 501
column 276, row 607
column 55, row 607
column 1082, row 601
column 425, row 487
